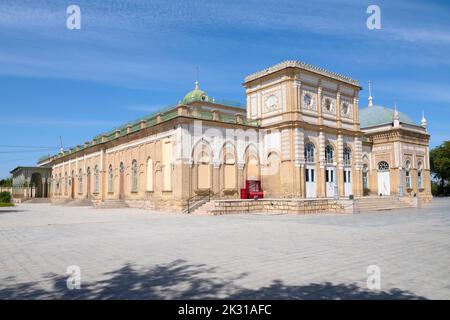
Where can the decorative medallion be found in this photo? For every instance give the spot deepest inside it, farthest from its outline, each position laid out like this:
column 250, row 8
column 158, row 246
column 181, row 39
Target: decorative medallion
column 346, row 109
column 328, row 105
column 271, row 103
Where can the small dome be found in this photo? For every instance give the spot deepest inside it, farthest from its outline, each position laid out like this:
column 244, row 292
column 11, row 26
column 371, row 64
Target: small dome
column 195, row 95
column 378, row 115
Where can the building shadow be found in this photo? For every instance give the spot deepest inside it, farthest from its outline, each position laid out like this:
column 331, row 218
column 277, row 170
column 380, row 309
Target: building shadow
column 2, row 211
column 181, row 280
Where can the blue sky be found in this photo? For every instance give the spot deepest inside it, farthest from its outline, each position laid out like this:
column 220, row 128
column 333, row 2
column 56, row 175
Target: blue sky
column 133, row 57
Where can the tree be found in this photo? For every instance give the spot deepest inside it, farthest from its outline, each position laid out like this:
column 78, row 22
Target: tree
column 6, row 183
column 440, row 166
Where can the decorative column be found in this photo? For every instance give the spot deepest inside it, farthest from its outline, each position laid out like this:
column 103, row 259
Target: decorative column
column 355, row 114
column 103, row 175
column 321, row 181
column 338, row 108
column 340, row 166
column 190, row 165
column 297, row 96
column 358, row 165
column 216, row 178
column 400, row 183
column 241, row 175
column 302, row 181
column 319, row 104
column 299, row 159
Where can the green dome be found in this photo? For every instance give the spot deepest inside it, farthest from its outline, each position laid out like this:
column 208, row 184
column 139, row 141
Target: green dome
column 195, row 95
column 378, row 115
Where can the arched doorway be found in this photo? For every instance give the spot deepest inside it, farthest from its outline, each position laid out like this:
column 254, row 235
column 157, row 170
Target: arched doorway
column 384, row 182
column 36, row 182
column 310, row 168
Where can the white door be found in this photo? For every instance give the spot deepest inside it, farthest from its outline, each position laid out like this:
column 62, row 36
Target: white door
column 384, row 185
column 310, row 178
column 330, row 178
column 347, row 182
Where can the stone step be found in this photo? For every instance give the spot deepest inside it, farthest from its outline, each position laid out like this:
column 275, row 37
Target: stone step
column 38, row 200
column 79, row 203
column 204, row 209
column 112, row 204
column 60, row 202
column 381, row 203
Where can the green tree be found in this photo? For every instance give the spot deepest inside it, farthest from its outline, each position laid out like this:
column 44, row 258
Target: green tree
column 6, row 183
column 5, row 197
column 440, row 167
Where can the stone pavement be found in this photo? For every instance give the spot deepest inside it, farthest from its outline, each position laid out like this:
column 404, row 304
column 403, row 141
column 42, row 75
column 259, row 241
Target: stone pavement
column 137, row 254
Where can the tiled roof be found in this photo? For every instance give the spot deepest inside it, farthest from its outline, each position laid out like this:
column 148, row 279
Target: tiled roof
column 378, row 115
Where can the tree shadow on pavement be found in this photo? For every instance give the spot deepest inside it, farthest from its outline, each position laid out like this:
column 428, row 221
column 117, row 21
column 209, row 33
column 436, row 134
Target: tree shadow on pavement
column 181, row 280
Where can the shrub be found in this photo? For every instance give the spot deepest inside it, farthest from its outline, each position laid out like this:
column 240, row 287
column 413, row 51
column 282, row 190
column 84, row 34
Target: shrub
column 5, row 197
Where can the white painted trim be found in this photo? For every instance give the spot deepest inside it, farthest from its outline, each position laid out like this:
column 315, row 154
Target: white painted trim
column 141, row 141
column 76, row 160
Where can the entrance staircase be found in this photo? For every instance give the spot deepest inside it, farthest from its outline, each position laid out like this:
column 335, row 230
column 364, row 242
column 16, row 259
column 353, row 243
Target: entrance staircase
column 38, row 200
column 79, row 203
column 380, row 203
column 204, row 208
column 112, row 204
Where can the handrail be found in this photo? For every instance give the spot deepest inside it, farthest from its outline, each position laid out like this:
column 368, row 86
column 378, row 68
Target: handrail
column 196, row 198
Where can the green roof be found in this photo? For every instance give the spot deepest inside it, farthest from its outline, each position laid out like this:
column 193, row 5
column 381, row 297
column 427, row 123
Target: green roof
column 378, row 115
column 196, row 95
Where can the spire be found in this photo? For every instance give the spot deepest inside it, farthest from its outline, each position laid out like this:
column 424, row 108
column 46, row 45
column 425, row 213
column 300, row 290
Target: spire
column 423, row 122
column 396, row 117
column 196, row 85
column 370, row 95
column 396, row 114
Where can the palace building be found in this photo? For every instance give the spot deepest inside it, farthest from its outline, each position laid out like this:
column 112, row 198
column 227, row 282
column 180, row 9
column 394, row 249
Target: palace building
column 301, row 135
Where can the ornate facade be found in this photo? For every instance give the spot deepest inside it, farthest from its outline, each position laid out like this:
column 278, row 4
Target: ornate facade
column 301, row 134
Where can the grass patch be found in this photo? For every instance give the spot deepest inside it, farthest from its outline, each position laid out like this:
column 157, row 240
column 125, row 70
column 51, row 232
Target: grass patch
column 6, row 204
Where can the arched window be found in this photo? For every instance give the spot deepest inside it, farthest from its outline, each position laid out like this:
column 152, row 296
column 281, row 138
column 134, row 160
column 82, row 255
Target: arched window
column 150, row 174
column 134, row 176
column 110, row 179
column 58, row 183
column 309, row 152
column 419, row 174
column 80, row 181
column 347, row 156
column 365, row 176
column 383, row 166
column 408, row 174
column 329, row 154
column 96, row 178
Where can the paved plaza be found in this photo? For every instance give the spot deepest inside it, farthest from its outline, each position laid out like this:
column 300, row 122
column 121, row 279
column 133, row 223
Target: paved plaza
column 137, row 254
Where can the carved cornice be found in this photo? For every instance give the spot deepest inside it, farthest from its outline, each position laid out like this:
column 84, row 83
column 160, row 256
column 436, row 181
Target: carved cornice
column 304, row 66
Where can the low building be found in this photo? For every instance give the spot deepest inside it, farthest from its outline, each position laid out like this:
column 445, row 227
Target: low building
column 31, row 182
column 301, row 134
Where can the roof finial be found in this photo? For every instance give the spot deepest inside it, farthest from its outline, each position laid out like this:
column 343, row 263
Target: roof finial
column 196, row 81
column 370, row 95
column 423, row 123
column 396, row 114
